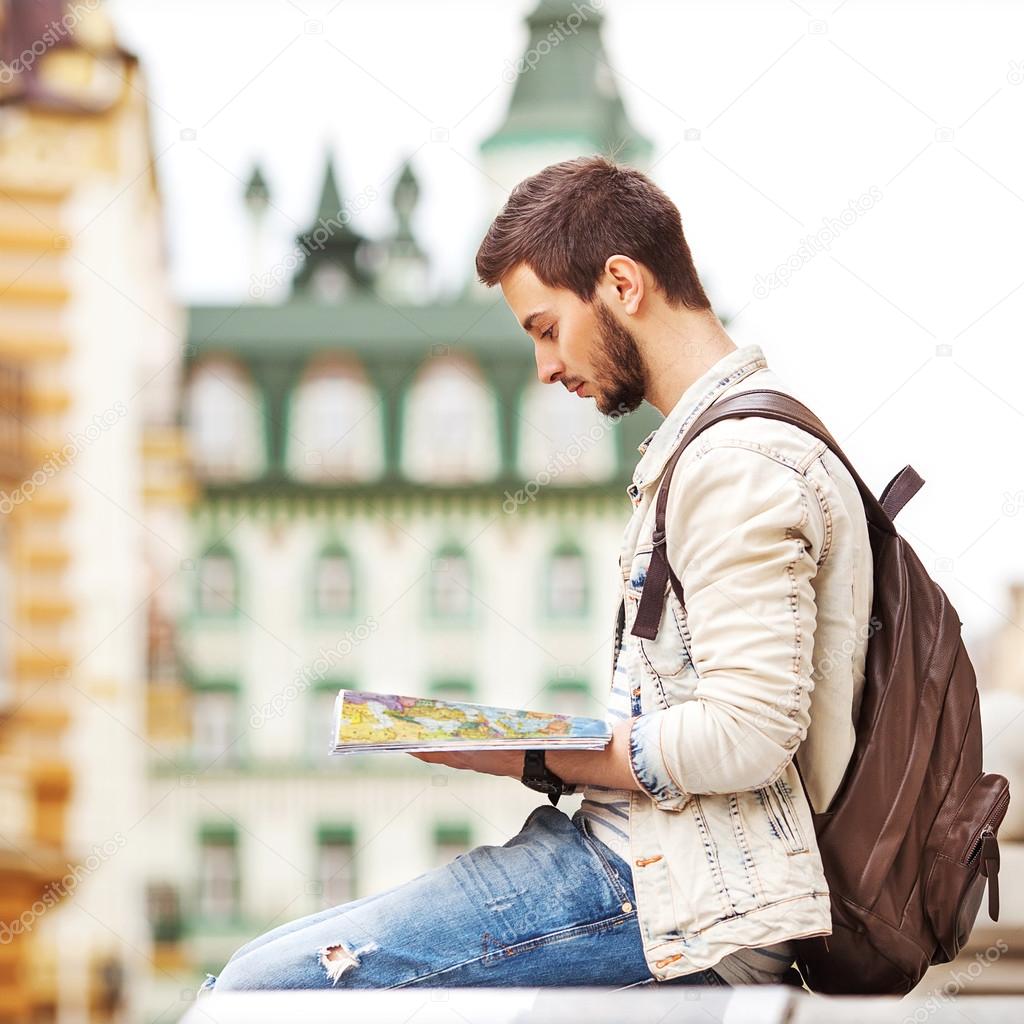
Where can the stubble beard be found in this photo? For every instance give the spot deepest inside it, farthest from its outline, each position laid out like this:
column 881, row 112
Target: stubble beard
column 620, row 377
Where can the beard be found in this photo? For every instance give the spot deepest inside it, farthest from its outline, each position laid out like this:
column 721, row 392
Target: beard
column 620, row 377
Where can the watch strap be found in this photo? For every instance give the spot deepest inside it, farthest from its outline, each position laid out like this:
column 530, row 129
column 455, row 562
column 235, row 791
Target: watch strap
column 537, row 775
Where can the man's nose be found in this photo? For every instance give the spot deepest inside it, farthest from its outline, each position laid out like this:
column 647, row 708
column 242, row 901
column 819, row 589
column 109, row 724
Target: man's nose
column 549, row 368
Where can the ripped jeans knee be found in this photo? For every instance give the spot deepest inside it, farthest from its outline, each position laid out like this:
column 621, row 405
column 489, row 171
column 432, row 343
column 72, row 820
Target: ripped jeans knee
column 294, row 961
column 339, row 958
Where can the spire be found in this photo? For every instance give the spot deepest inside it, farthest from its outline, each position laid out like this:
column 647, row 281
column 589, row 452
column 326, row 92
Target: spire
column 257, row 200
column 332, row 264
column 404, row 198
column 565, row 94
column 402, row 276
column 257, row 192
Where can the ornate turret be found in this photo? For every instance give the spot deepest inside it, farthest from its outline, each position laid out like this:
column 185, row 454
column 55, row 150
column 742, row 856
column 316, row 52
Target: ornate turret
column 257, row 202
column 333, row 263
column 565, row 101
column 403, row 264
column 257, row 192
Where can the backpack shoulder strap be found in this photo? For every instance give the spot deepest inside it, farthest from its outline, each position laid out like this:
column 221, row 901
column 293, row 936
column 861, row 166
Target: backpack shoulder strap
column 769, row 404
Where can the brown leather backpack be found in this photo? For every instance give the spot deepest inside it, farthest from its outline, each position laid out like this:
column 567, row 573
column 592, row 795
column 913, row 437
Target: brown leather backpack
column 910, row 836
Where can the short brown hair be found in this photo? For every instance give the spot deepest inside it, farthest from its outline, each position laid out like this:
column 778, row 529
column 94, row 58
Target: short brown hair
column 565, row 221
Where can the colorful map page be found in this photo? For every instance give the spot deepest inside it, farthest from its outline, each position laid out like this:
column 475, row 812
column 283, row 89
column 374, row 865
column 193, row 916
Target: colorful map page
column 385, row 719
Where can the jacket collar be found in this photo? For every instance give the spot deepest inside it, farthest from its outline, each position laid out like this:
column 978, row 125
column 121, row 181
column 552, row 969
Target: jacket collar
column 658, row 446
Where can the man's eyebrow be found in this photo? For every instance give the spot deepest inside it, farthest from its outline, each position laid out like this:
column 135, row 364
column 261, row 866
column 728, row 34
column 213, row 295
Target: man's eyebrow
column 529, row 321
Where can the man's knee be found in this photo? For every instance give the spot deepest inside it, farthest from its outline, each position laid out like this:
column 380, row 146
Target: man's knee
column 339, row 959
column 281, row 965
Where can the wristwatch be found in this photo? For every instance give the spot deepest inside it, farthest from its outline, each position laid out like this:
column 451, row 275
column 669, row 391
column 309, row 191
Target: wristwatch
column 537, row 775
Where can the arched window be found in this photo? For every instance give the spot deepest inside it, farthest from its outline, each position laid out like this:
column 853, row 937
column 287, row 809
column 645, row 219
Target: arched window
column 224, row 414
column 334, row 584
column 563, row 437
column 450, row 581
column 218, row 591
column 566, row 580
column 336, row 864
column 334, row 427
column 450, row 427
column 215, row 725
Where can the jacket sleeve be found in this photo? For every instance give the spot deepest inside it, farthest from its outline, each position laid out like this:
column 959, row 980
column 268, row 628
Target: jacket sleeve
column 744, row 532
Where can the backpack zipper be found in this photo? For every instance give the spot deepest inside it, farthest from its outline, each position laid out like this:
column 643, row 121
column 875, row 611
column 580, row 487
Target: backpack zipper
column 986, row 846
column 977, row 840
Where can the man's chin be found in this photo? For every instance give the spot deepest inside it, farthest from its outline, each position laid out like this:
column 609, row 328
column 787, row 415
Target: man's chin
column 617, row 405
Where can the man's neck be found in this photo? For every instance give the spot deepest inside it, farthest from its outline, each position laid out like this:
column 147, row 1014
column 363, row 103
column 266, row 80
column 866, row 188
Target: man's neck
column 678, row 349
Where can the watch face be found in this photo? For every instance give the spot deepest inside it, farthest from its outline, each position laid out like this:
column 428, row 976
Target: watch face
column 541, row 785
column 538, row 776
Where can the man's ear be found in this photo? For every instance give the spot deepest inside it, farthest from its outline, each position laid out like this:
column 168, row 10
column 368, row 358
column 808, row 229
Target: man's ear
column 626, row 277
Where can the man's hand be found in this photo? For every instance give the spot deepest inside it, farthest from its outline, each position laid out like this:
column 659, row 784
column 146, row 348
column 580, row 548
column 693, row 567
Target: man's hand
column 489, row 762
column 609, row 767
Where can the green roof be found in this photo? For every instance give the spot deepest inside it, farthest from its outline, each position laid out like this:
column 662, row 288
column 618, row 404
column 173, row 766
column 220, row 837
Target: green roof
column 565, row 89
column 275, row 344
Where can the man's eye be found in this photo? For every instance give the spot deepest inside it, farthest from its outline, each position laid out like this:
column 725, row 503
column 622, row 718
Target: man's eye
column 547, row 333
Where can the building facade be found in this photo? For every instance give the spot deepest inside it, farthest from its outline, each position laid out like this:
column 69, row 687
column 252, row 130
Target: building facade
column 388, row 500
column 90, row 349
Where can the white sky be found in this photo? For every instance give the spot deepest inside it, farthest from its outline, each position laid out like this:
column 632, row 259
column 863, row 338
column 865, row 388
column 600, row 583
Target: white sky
column 801, row 108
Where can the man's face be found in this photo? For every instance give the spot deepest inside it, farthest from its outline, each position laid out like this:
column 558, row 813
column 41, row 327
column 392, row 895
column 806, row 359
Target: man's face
column 579, row 345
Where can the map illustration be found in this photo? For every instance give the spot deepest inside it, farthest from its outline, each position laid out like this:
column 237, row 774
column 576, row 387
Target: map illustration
column 377, row 721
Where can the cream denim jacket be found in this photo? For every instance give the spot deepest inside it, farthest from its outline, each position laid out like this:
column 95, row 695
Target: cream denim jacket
column 767, row 532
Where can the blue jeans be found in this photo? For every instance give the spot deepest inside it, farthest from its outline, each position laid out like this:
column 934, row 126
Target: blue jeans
column 552, row 906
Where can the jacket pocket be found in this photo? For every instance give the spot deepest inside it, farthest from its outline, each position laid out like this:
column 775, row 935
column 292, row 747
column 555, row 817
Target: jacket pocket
column 668, row 655
column 777, row 804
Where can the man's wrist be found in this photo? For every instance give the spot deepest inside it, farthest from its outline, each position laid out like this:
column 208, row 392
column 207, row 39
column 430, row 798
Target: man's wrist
column 608, row 768
column 539, row 775
column 567, row 765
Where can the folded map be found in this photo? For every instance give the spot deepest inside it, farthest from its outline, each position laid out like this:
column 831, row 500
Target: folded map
column 365, row 722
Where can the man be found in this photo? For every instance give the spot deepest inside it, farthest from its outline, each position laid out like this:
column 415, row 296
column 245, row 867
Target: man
column 693, row 857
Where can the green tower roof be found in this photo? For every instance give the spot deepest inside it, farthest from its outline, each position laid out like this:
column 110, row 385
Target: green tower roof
column 257, row 191
column 331, row 240
column 565, row 88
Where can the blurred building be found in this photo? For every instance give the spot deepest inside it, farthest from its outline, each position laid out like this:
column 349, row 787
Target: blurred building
column 33, row 789
column 89, row 350
column 389, row 500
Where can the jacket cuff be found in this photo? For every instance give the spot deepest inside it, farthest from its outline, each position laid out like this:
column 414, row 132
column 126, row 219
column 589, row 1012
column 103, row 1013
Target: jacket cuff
column 648, row 764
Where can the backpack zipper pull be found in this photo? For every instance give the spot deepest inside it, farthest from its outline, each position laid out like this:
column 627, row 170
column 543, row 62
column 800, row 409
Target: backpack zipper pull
column 990, row 869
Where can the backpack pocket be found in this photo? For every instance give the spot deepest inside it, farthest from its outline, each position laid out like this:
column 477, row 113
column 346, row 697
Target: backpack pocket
column 967, row 856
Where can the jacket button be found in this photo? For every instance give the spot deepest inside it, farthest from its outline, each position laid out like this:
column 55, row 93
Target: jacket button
column 644, row 861
column 627, row 907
